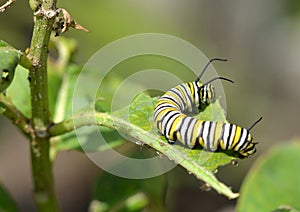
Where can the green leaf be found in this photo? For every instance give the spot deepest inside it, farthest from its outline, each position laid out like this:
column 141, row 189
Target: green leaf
column 19, row 91
column 198, row 162
column 273, row 180
column 9, row 58
column 61, row 94
column 6, row 201
column 209, row 160
column 141, row 111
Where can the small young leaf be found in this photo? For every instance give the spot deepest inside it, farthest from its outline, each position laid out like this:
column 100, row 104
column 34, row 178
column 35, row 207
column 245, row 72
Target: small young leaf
column 273, row 180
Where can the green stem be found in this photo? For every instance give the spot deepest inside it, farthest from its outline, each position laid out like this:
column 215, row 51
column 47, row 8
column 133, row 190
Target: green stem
column 18, row 118
column 40, row 161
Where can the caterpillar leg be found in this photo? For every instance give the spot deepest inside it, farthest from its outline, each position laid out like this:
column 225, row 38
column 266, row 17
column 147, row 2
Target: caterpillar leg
column 170, row 141
column 159, row 133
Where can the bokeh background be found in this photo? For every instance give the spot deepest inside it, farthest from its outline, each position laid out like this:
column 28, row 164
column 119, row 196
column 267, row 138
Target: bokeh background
column 260, row 40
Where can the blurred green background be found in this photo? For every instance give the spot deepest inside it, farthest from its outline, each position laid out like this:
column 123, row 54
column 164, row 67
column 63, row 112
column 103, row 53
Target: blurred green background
column 260, row 40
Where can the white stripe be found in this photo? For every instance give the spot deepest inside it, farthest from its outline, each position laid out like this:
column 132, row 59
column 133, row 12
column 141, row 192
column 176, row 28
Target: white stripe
column 226, row 134
column 187, row 129
column 168, row 120
column 232, row 136
column 205, row 133
column 188, row 97
column 211, row 136
column 196, row 94
column 242, row 140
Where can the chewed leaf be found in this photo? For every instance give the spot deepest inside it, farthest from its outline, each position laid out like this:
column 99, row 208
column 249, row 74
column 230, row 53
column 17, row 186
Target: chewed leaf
column 198, row 162
column 213, row 112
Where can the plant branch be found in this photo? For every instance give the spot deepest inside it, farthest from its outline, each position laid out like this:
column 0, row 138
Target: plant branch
column 40, row 161
column 6, row 5
column 18, row 118
column 111, row 121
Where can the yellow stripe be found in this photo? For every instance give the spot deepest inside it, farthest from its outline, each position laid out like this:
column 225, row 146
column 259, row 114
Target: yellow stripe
column 196, row 130
column 182, row 93
column 174, row 96
column 160, row 116
column 200, row 129
column 218, row 131
column 192, row 90
column 174, row 127
column 237, row 135
column 162, row 101
column 222, row 144
column 201, row 142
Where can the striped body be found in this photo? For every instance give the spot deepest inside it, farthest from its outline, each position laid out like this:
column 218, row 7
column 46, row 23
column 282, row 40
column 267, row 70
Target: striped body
column 174, row 124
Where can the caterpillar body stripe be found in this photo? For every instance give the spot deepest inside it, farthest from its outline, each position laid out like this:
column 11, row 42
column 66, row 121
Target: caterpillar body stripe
column 171, row 119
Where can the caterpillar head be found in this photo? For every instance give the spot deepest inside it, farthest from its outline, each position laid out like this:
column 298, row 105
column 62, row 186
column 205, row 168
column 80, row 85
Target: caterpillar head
column 206, row 90
column 207, row 94
column 249, row 147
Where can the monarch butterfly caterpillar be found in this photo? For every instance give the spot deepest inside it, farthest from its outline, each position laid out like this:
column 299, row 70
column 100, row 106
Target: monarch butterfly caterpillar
column 172, row 122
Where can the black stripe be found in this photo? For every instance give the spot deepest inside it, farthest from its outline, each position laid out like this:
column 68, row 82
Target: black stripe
column 208, row 135
column 192, row 131
column 171, row 126
column 164, row 127
column 201, row 132
column 229, row 135
column 196, row 104
column 167, row 121
column 245, row 144
column 214, row 135
column 159, row 109
column 175, row 92
column 187, row 130
column 221, row 135
column 174, row 101
column 239, row 137
column 184, row 96
column 198, row 93
column 187, row 90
